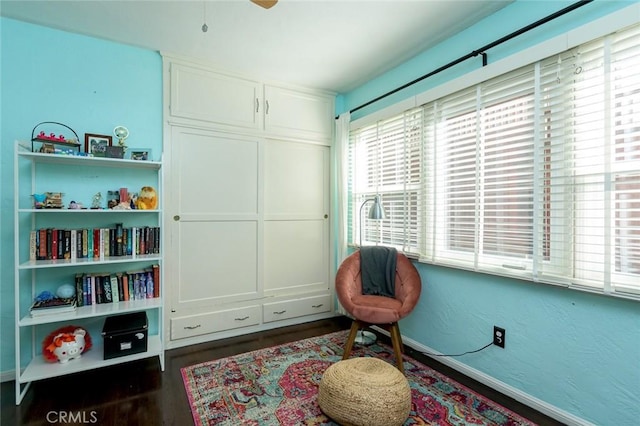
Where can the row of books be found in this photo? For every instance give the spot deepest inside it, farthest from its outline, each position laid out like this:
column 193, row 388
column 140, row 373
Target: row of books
column 52, row 243
column 92, row 289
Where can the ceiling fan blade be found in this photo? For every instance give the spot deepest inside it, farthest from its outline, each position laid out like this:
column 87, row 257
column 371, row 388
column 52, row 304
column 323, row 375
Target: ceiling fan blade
column 267, row 4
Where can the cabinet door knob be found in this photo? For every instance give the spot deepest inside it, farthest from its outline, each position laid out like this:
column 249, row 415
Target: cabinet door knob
column 257, row 105
column 176, row 218
column 266, row 107
column 326, row 216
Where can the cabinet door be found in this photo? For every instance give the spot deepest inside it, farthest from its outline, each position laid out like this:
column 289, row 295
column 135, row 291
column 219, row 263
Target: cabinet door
column 299, row 114
column 213, row 219
column 296, row 225
column 204, row 95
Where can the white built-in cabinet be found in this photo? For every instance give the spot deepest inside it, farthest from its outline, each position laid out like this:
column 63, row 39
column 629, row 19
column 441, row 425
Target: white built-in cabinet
column 247, row 204
column 199, row 96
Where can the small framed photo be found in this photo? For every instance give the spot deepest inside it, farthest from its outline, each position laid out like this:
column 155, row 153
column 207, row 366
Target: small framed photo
column 96, row 144
column 139, row 154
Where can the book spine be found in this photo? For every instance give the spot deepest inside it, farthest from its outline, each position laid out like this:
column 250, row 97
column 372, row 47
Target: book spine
column 90, row 249
column 74, row 244
column 67, row 244
column 32, row 245
column 156, row 280
column 85, row 243
column 79, row 244
column 86, row 296
column 127, row 241
column 134, row 242
column 54, row 244
column 115, row 293
column 93, row 289
column 42, row 244
column 120, row 286
column 105, row 242
column 60, row 243
column 79, row 290
column 96, row 243
column 105, row 283
column 49, row 243
column 125, row 286
column 149, row 283
column 143, row 236
column 119, row 239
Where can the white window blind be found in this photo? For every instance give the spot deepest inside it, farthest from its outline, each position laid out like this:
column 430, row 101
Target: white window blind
column 534, row 174
column 385, row 159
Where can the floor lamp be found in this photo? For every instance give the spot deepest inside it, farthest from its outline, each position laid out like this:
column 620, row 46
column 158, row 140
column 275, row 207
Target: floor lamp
column 376, row 212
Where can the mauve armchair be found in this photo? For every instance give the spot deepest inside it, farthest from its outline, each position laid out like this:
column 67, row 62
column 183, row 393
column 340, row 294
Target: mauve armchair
column 378, row 310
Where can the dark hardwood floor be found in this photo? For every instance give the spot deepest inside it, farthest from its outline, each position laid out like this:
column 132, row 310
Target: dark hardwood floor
column 137, row 393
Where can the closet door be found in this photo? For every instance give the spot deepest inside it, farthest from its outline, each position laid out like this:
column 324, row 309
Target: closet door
column 213, row 214
column 296, row 224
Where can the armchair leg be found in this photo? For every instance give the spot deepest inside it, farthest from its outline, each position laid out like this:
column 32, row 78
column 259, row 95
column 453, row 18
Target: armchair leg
column 396, row 340
column 355, row 326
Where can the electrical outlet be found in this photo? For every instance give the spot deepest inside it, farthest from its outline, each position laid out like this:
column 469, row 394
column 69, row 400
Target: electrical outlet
column 499, row 336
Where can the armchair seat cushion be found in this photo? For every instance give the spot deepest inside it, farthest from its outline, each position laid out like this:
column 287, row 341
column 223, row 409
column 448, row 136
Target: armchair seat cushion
column 376, row 309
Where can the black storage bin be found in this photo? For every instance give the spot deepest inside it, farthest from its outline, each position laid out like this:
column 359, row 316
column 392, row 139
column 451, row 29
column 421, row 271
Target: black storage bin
column 125, row 334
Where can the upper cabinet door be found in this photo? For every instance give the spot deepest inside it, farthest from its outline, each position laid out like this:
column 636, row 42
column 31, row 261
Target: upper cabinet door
column 201, row 94
column 298, row 113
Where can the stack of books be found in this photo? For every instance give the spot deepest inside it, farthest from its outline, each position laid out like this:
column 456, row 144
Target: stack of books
column 56, row 305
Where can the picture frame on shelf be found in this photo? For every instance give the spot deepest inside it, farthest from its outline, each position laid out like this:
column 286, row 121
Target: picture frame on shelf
column 97, row 144
column 139, row 154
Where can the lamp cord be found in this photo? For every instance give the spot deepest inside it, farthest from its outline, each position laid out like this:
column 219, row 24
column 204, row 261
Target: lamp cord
column 465, row 353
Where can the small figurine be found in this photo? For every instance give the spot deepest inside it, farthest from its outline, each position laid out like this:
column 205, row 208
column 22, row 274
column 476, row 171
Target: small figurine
column 75, row 206
column 97, row 201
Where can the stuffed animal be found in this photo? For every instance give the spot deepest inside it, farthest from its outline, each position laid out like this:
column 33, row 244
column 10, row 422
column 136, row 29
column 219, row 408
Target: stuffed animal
column 147, row 199
column 65, row 344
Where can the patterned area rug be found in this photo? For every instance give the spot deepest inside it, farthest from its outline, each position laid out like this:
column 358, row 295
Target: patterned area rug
column 279, row 386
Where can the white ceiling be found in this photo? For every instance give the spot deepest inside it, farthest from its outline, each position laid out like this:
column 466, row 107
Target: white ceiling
column 332, row 45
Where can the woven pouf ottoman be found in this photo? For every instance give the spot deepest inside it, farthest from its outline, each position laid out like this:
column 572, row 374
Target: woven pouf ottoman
column 365, row 392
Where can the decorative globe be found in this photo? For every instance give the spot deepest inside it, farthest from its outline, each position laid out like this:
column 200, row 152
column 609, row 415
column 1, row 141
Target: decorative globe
column 65, row 291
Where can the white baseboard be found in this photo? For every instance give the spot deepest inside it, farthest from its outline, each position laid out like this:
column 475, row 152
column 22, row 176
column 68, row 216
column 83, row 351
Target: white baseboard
column 6, row 376
column 508, row 390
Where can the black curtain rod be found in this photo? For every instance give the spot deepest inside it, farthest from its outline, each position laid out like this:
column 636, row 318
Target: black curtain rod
column 480, row 51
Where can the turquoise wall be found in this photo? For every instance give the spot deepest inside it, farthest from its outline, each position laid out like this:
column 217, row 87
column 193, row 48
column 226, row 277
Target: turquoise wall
column 576, row 351
column 88, row 84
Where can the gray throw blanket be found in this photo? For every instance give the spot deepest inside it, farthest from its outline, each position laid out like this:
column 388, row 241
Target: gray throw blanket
column 378, row 270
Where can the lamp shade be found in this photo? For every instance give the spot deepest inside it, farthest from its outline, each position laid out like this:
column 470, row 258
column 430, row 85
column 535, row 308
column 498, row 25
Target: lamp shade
column 376, row 211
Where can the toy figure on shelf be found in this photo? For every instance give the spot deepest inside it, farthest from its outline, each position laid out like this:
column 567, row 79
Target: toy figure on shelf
column 97, row 201
column 65, row 344
column 75, row 206
column 147, row 199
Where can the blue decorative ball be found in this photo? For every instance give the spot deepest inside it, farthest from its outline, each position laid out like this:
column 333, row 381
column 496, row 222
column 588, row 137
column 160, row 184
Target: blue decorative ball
column 65, row 291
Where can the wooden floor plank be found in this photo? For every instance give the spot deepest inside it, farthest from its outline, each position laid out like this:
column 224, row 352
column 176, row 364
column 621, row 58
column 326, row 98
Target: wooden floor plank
column 137, row 393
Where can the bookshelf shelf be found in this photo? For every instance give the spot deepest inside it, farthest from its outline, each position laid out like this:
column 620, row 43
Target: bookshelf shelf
column 39, row 369
column 64, row 263
column 91, row 311
column 36, row 173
